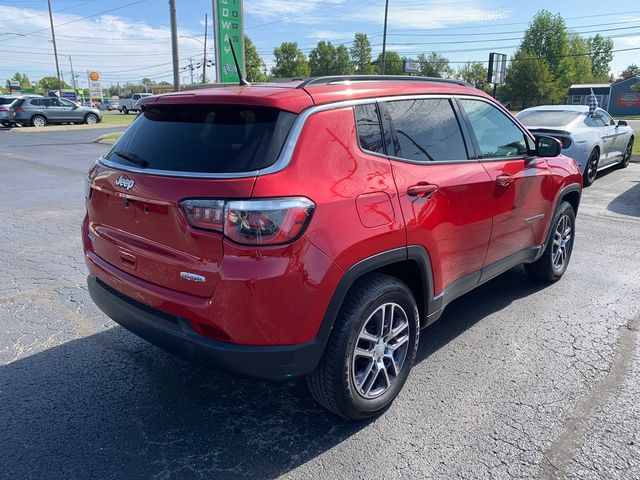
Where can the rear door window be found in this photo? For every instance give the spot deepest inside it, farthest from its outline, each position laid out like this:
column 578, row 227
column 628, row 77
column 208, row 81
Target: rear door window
column 368, row 127
column 427, row 130
column 203, row 139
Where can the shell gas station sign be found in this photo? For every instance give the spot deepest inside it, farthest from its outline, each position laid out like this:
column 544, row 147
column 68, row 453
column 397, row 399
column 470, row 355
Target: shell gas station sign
column 95, row 87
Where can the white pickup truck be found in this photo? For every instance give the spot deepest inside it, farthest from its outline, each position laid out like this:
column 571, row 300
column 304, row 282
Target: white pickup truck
column 130, row 103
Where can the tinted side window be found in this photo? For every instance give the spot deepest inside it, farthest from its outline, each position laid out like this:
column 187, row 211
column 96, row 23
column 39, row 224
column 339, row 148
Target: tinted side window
column 496, row 134
column 592, row 122
column 606, row 118
column 36, row 102
column 368, row 128
column 427, row 130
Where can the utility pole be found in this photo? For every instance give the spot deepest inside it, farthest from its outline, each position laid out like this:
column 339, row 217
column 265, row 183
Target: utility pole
column 384, row 35
column 191, row 68
column 73, row 76
column 204, row 63
column 174, row 45
column 55, row 49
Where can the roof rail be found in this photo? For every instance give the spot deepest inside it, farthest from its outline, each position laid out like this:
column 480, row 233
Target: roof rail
column 331, row 79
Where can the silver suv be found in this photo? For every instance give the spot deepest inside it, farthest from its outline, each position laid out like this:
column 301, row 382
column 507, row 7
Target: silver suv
column 40, row 111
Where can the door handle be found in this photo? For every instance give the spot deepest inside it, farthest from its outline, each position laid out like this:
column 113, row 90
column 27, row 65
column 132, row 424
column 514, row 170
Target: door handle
column 504, row 180
column 422, row 190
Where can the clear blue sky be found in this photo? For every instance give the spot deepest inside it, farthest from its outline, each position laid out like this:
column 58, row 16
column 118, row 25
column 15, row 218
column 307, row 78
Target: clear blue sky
column 129, row 39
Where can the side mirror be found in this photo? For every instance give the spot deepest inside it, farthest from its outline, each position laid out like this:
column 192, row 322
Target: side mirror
column 622, row 123
column 548, row 147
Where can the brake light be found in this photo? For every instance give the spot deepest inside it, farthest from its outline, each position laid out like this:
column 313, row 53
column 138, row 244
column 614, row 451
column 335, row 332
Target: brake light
column 566, row 141
column 2, row 109
column 19, row 110
column 272, row 221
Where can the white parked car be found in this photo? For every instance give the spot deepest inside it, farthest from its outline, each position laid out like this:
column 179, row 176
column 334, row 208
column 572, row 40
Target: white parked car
column 595, row 141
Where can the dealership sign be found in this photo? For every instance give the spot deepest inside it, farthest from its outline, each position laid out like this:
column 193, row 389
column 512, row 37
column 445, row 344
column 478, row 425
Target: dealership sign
column 228, row 31
column 95, row 87
column 497, row 68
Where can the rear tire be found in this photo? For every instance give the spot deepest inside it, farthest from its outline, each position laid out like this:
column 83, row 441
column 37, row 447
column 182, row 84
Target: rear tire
column 370, row 351
column 554, row 261
column 38, row 121
column 591, row 169
column 627, row 154
column 125, row 110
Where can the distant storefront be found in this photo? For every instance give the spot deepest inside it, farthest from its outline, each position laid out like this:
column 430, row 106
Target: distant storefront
column 618, row 98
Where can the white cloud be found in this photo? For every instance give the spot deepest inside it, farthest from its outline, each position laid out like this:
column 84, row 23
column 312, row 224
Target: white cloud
column 435, row 14
column 330, row 35
column 121, row 49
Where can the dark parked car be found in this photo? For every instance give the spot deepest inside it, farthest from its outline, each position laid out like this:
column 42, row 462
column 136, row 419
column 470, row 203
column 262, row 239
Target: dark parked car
column 38, row 112
column 312, row 229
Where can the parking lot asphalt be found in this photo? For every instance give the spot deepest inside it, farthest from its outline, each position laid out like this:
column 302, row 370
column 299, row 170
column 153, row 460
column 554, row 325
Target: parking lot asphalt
column 517, row 380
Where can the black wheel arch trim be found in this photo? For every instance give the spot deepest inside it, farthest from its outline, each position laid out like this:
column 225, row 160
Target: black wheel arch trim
column 415, row 253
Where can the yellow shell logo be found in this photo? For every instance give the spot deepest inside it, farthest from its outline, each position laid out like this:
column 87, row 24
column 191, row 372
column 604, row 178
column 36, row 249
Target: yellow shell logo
column 94, row 76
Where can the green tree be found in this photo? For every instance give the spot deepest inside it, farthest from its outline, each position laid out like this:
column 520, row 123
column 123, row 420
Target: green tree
column 528, row 80
column 322, row 59
column 22, row 78
column 601, row 54
column 547, row 37
column 434, row 65
column 343, row 64
column 393, row 64
column 147, row 82
column 361, row 55
column 580, row 59
column 630, row 71
column 51, row 83
column 290, row 61
column 254, row 63
column 474, row 73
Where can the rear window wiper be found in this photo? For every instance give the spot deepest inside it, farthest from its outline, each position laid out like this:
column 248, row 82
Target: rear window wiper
column 133, row 158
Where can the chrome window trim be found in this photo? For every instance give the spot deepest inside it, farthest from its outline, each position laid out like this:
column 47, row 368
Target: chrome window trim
column 288, row 149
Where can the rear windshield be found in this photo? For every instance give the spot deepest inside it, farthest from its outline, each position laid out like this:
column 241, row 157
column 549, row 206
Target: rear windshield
column 6, row 100
column 547, row 118
column 204, row 139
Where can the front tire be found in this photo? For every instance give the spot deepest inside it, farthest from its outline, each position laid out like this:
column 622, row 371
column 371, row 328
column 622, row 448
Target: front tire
column 91, row 119
column 591, row 169
column 627, row 154
column 38, row 121
column 125, row 110
column 370, row 351
column 554, row 261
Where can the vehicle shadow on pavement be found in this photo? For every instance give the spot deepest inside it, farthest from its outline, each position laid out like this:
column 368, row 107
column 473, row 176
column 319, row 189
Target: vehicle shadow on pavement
column 628, row 202
column 112, row 406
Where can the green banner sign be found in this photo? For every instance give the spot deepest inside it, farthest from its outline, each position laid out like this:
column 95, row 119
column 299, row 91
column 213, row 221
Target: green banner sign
column 228, row 26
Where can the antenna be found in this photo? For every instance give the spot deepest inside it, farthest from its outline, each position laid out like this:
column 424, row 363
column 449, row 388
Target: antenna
column 242, row 81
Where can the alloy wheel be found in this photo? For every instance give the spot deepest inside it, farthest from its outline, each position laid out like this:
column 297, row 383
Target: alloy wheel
column 561, row 242
column 39, row 122
column 91, row 120
column 380, row 351
column 627, row 153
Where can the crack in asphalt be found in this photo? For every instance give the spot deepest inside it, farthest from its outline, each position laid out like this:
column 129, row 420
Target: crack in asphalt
column 562, row 450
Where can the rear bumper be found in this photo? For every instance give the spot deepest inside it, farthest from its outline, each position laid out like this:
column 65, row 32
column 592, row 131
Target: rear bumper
column 175, row 335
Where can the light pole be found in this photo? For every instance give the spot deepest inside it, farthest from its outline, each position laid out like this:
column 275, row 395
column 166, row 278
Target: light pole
column 384, row 35
column 174, row 45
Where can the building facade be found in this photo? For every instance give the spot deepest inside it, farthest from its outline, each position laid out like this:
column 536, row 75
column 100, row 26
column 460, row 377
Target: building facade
column 620, row 98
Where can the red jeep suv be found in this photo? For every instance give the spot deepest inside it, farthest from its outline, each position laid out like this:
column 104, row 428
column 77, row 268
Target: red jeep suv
column 314, row 228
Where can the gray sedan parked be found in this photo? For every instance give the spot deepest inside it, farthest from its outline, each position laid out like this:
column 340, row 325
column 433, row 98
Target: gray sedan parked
column 40, row 111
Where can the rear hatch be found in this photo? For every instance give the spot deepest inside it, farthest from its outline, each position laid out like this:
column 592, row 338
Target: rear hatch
column 171, row 153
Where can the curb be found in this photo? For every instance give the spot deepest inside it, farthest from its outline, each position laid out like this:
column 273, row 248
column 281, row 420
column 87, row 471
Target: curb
column 65, row 128
column 105, row 141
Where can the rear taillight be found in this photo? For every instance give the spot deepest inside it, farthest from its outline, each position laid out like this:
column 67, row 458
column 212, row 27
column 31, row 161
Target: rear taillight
column 566, row 141
column 19, row 110
column 270, row 221
column 2, row 109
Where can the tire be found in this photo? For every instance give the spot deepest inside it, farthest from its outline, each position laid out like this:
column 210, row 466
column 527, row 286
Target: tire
column 591, row 169
column 561, row 237
column 38, row 121
column 626, row 158
column 125, row 110
column 91, row 119
column 351, row 384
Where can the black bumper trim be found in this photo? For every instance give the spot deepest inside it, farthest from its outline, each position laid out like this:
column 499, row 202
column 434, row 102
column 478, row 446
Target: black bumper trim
column 263, row 362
